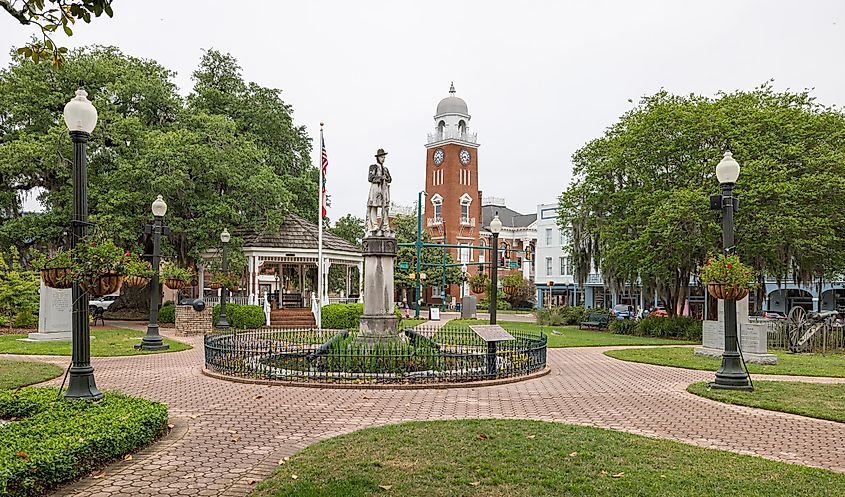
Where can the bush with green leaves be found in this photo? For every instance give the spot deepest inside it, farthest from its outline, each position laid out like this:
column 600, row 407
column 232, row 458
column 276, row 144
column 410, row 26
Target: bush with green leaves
column 135, row 266
column 167, row 312
column 501, row 304
column 566, row 315
column 18, row 292
column 679, row 327
column 58, row 440
column 342, row 316
column 624, row 326
column 174, row 272
column 241, row 316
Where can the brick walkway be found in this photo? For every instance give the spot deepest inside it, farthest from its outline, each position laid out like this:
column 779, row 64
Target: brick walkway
column 228, row 436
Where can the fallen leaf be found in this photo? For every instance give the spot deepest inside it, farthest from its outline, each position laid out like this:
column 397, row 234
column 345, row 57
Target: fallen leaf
column 258, row 397
column 573, row 454
column 482, row 436
column 281, row 461
column 385, row 487
column 127, row 457
column 21, row 454
column 170, row 426
column 250, row 482
column 407, row 405
column 603, row 473
column 236, row 439
column 233, row 431
column 293, row 477
column 194, row 416
column 98, row 474
column 532, row 437
column 619, row 475
column 475, row 483
column 663, row 476
column 287, row 458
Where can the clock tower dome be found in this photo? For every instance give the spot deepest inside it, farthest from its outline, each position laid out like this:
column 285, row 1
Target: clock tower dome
column 453, row 202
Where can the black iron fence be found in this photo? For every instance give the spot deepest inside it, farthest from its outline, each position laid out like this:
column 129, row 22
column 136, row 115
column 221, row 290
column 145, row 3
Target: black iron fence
column 422, row 354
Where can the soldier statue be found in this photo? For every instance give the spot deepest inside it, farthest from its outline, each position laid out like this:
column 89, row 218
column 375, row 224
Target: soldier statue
column 379, row 178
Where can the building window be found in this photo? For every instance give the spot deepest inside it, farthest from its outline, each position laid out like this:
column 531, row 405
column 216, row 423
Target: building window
column 566, row 266
column 435, row 292
column 548, row 266
column 466, row 200
column 482, row 253
column 565, row 237
column 562, row 266
column 569, row 266
column 466, row 253
column 548, row 236
column 462, row 127
column 437, row 204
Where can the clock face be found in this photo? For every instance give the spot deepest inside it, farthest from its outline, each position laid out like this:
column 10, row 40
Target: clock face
column 438, row 156
column 464, row 156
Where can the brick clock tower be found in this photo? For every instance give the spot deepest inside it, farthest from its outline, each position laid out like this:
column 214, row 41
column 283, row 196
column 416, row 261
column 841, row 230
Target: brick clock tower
column 453, row 203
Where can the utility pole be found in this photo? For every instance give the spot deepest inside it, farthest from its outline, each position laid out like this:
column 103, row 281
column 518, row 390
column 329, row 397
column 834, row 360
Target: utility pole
column 419, row 254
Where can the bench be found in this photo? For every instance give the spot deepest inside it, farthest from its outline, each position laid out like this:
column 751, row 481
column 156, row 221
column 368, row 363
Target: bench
column 596, row 321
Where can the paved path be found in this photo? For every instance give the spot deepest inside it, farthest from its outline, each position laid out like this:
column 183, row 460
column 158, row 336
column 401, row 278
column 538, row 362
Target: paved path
column 228, row 436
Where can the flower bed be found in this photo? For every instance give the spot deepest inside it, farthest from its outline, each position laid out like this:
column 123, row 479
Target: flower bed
column 56, row 441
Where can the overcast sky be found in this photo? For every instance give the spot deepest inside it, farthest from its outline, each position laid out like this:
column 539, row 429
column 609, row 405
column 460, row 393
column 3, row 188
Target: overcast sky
column 540, row 78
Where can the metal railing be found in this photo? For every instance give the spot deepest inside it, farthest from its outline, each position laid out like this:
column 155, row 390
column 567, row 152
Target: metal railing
column 422, row 355
column 433, row 221
column 822, row 337
column 468, row 221
column 452, row 135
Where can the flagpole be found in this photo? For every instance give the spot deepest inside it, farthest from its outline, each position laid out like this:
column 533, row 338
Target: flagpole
column 321, row 190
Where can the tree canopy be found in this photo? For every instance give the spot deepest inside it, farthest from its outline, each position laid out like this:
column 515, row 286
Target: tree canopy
column 405, row 228
column 238, row 163
column 639, row 208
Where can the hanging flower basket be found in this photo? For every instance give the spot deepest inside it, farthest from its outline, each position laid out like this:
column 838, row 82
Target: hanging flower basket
column 136, row 281
column 105, row 284
column 727, row 292
column 234, row 288
column 510, row 290
column 214, row 285
column 57, row 277
column 477, row 288
column 175, row 283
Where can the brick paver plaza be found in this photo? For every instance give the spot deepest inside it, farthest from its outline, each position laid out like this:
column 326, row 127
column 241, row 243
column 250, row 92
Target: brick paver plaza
column 228, row 436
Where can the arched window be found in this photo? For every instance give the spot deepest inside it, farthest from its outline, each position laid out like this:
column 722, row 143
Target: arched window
column 437, row 205
column 466, row 200
column 441, row 127
column 462, row 127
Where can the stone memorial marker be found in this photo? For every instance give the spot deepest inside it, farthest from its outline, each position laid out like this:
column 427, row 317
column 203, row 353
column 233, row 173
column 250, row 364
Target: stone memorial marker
column 55, row 312
column 752, row 336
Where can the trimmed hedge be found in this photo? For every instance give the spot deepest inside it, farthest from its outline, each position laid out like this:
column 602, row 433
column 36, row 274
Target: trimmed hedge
column 241, row 316
column 59, row 440
column 678, row 327
column 167, row 312
column 347, row 316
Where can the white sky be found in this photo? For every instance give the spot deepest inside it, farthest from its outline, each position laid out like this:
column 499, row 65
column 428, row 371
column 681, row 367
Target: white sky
column 540, row 78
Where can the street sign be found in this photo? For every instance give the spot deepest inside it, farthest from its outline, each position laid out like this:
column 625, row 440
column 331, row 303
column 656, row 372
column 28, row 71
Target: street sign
column 513, row 264
column 403, row 265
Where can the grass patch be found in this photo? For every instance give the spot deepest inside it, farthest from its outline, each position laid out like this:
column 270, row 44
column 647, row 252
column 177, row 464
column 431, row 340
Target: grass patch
column 816, row 400
column 56, row 441
column 571, row 336
column 531, row 458
column 788, row 364
column 107, row 342
column 14, row 374
column 410, row 323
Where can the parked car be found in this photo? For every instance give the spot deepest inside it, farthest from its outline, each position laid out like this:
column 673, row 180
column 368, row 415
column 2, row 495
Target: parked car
column 659, row 312
column 777, row 315
column 622, row 311
column 103, row 302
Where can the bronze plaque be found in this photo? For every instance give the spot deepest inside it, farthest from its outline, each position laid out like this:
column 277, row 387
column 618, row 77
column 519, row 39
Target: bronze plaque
column 491, row 332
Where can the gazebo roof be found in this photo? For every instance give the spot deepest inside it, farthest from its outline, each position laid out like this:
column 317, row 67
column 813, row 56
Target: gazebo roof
column 296, row 233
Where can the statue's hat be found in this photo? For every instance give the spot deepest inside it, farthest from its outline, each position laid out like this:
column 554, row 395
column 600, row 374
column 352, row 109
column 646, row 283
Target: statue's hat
column 380, row 152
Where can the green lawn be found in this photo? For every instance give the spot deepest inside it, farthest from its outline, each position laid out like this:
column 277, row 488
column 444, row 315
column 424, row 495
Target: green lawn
column 788, row 364
column 571, row 336
column 816, row 400
column 107, row 342
column 14, row 374
column 410, row 323
column 531, row 458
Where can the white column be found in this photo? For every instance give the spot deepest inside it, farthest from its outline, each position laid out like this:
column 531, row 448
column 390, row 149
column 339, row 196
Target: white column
column 360, row 282
column 201, row 278
column 326, row 267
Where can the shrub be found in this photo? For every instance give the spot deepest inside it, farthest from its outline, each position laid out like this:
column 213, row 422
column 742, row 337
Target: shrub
column 501, row 304
column 342, row 316
column 678, row 327
column 167, row 312
column 59, row 440
column 624, row 326
column 241, row 316
column 565, row 315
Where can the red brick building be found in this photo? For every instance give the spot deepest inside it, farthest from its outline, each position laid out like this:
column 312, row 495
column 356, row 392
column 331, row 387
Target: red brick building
column 453, row 204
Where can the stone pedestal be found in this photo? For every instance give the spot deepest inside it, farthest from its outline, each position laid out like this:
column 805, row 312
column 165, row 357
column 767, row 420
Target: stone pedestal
column 191, row 322
column 752, row 336
column 55, row 312
column 378, row 323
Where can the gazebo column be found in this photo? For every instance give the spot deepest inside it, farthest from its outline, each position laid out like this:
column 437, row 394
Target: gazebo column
column 201, row 278
column 348, row 282
column 361, row 281
column 326, row 268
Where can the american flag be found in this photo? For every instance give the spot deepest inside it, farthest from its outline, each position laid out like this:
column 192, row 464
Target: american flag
column 325, row 165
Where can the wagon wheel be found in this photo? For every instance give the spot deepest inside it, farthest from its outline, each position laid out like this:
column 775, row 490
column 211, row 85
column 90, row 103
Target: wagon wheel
column 795, row 324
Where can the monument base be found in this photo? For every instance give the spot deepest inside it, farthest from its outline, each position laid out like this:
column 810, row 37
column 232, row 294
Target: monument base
column 755, row 358
column 51, row 336
column 379, row 329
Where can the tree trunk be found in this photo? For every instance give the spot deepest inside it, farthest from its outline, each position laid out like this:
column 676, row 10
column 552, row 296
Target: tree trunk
column 132, row 299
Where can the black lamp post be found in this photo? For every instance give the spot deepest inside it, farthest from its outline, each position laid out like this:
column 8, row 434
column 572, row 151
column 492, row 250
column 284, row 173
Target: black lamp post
column 222, row 324
column 464, row 270
column 730, row 375
column 495, row 228
column 152, row 340
column 81, row 118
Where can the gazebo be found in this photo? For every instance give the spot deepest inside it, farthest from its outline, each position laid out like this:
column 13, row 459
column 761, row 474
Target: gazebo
column 282, row 266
